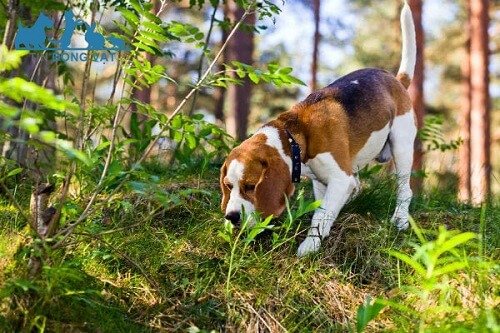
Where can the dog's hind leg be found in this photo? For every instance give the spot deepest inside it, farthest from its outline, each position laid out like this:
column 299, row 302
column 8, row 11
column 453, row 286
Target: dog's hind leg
column 385, row 154
column 402, row 138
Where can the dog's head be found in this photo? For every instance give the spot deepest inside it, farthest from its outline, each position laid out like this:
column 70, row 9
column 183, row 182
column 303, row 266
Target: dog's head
column 254, row 177
column 44, row 21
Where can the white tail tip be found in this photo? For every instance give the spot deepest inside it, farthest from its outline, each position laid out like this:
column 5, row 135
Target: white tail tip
column 409, row 48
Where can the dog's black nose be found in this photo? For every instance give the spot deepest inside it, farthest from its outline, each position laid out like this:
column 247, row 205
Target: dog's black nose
column 233, row 216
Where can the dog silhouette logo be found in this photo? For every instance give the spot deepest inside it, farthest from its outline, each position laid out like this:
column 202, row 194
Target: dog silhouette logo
column 36, row 39
column 33, row 38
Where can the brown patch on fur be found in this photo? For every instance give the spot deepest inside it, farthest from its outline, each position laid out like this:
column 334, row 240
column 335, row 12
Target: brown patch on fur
column 225, row 191
column 404, row 79
column 274, row 184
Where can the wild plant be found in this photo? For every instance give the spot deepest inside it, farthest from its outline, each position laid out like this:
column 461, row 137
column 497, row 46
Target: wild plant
column 430, row 295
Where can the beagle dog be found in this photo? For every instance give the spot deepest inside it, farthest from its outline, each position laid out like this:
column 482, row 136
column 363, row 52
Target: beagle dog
column 329, row 137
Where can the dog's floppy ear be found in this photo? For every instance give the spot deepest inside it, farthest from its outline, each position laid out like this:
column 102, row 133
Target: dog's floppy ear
column 274, row 183
column 223, row 187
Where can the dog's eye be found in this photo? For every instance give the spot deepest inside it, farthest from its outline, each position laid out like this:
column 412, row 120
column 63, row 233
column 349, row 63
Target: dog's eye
column 249, row 188
column 229, row 186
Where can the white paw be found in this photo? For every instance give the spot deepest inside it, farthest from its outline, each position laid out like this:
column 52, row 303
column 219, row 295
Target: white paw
column 356, row 189
column 400, row 222
column 309, row 245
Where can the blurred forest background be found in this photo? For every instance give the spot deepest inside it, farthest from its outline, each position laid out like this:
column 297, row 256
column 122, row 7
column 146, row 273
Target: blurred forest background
column 456, row 76
column 109, row 190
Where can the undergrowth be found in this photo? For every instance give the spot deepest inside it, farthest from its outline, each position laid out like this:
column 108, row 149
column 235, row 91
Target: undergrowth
column 139, row 265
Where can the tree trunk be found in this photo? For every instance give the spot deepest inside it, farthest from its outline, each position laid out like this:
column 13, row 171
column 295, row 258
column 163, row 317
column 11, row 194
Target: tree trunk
column 219, row 97
column 416, row 89
column 10, row 28
column 316, row 40
column 240, row 48
column 480, row 118
column 220, row 92
column 464, row 189
column 142, row 95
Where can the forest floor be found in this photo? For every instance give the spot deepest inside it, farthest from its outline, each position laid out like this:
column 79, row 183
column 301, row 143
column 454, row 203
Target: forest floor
column 137, row 266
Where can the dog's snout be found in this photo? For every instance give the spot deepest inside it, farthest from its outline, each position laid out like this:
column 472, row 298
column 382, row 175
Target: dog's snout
column 233, row 216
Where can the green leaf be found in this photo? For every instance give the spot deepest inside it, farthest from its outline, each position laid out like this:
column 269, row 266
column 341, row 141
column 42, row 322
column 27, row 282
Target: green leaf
column 103, row 145
column 144, row 47
column 417, row 230
column 258, row 229
column 146, row 41
column 14, row 172
column 285, row 70
column 191, row 140
column 254, row 77
column 137, row 6
column 450, row 268
column 367, row 312
column 455, row 241
column 199, row 36
column 10, row 59
column 129, row 16
column 154, row 36
column 47, row 136
column 153, row 27
column 176, row 122
column 8, row 111
column 312, row 206
column 30, row 124
column 19, row 89
column 409, row 261
column 227, row 232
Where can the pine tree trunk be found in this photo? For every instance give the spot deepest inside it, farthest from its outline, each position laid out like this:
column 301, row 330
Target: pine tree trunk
column 316, row 40
column 142, row 95
column 10, row 27
column 240, row 48
column 480, row 118
column 464, row 190
column 416, row 88
column 220, row 92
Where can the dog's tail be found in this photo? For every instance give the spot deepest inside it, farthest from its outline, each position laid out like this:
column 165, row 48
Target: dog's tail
column 409, row 49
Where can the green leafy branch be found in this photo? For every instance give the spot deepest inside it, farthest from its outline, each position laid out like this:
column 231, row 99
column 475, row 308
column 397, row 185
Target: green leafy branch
column 431, row 134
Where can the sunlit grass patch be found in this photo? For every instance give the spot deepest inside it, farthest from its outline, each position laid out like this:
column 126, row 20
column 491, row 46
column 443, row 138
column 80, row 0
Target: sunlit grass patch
column 146, row 266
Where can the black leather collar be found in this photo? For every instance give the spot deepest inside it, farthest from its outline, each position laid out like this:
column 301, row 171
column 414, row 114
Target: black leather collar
column 296, row 163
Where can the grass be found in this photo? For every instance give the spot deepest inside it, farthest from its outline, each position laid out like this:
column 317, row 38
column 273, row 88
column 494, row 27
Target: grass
column 140, row 266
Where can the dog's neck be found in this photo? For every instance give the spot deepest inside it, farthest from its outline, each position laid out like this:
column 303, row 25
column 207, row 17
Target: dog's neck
column 289, row 121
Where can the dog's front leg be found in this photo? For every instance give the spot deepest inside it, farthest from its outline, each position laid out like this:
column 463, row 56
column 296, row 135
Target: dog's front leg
column 319, row 190
column 339, row 187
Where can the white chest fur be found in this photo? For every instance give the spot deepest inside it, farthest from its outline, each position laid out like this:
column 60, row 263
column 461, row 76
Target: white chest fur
column 371, row 149
column 324, row 167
